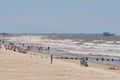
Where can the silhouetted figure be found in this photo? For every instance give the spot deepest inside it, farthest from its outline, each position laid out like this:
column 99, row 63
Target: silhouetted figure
column 48, row 49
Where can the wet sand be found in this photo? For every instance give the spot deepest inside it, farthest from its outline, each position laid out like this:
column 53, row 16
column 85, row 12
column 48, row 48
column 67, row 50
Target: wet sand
column 91, row 64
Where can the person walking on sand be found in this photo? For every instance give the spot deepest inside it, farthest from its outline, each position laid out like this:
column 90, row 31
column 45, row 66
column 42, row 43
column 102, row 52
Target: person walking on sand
column 51, row 58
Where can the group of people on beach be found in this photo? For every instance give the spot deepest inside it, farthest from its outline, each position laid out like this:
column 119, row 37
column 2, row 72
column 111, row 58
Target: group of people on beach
column 9, row 46
column 40, row 48
column 21, row 47
column 13, row 47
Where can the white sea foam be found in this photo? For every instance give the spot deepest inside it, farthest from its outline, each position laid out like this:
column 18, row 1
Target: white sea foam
column 118, row 42
column 99, row 41
column 109, row 42
column 72, row 46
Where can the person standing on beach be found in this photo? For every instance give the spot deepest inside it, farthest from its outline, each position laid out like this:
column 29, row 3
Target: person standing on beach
column 48, row 49
column 51, row 58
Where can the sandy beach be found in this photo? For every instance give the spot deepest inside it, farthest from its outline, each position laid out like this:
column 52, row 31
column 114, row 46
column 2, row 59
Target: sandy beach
column 19, row 66
column 59, row 39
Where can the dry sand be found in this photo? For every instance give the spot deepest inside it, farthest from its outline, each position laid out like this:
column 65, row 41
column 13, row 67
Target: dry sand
column 18, row 66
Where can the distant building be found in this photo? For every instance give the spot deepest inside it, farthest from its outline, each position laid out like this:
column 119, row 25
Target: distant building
column 108, row 34
column 4, row 34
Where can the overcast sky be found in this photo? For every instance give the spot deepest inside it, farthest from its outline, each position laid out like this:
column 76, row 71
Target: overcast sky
column 60, row 16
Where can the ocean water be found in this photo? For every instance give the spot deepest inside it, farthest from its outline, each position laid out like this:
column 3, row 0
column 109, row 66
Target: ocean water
column 92, row 46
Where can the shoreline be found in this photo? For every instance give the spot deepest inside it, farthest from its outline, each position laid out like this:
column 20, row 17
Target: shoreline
column 71, row 59
column 68, row 59
column 85, row 56
column 76, row 61
column 93, row 58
